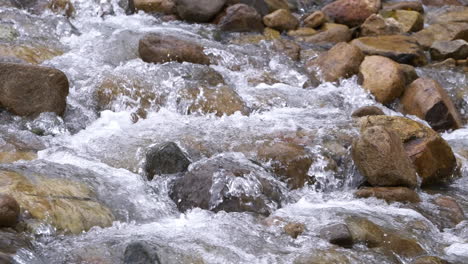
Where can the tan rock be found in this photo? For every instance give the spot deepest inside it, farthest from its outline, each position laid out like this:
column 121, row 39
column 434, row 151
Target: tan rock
column 62, row 6
column 410, row 21
column 351, row 12
column 366, row 111
column 389, row 194
column 32, row 54
column 429, row 260
column 383, row 78
column 441, row 32
column 281, row 20
column 155, row 6
column 376, row 25
column 455, row 49
column 451, row 208
column 288, row 47
column 404, row 5
column 427, row 99
column 315, row 20
column 330, row 33
column 294, row 229
column 9, row 157
column 459, row 14
column 277, row 4
column 302, row 32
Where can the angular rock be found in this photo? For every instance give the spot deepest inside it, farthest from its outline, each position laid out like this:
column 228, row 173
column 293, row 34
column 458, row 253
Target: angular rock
column 401, row 49
column 404, row 5
column 351, row 12
column 330, row 33
column 389, row 194
column 199, row 10
column 441, row 32
column 294, row 229
column 380, row 157
column 140, row 253
column 315, row 20
column 227, row 182
column 341, row 61
column 429, row 260
column 455, row 49
column 259, row 5
column 9, row 211
column 155, row 6
column 165, row 158
column 241, row 18
column 281, row 20
column 337, row 234
column 426, row 99
column 156, row 48
column 410, row 21
column 367, row 111
column 430, row 154
column 376, row 25
column 383, row 78
column 288, row 47
column 29, row 90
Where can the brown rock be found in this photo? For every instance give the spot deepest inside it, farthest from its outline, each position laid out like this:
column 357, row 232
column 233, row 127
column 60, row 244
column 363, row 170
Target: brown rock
column 429, row 260
column 331, row 33
column 158, row 48
column 365, row 231
column 389, row 194
column 404, row 5
column 430, row 154
column 294, row 229
column 367, row 111
column 337, row 234
column 62, row 6
column 351, row 12
column 380, row 157
column 199, row 10
column 28, row 90
column 34, row 54
column 404, row 247
column 315, row 20
column 259, row 5
column 341, row 61
column 281, row 20
column 402, row 49
column 9, row 211
column 410, row 21
column 241, row 18
column 288, row 47
column 441, row 32
column 277, row 4
column 455, row 49
column 459, row 14
column 383, row 78
column 451, row 208
column 409, row 72
column 302, row 32
column 376, row 25
column 442, row 2
column 155, row 6
column 426, row 99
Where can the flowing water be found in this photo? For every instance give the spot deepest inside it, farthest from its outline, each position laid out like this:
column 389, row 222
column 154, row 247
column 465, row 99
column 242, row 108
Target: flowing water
column 105, row 149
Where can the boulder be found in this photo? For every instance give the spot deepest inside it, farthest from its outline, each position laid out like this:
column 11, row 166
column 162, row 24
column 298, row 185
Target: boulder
column 315, row 20
column 380, row 157
column 351, row 12
column 227, row 182
column 330, row 33
column 429, row 260
column 341, row 61
column 402, row 49
column 156, row 48
column 441, row 32
column 140, row 253
column 288, row 47
column 404, row 5
column 199, row 10
column 155, row 6
column 455, row 49
column 28, row 90
column 9, row 211
column 337, row 234
column 430, row 154
column 241, row 18
column 281, row 20
column 294, row 229
column 367, row 111
column 441, row 3
column 426, row 99
column 383, row 78
column 166, row 158
column 376, row 25
column 389, row 194
column 259, row 5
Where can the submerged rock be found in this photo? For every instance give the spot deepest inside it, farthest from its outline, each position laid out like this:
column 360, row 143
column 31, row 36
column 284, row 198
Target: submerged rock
column 29, row 90
column 429, row 260
column 389, row 194
column 351, row 12
column 199, row 10
column 227, row 182
column 337, row 234
column 241, row 18
column 140, row 253
column 155, row 6
column 294, row 229
column 165, row 158
column 9, row 211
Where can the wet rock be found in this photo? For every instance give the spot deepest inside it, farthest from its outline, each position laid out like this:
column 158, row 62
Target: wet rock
column 410, row 21
column 155, row 6
column 404, row 5
column 220, row 100
column 429, row 152
column 38, row 7
column 241, row 18
column 227, row 182
column 337, row 234
column 389, row 194
column 367, row 111
column 12, row 241
column 456, row 49
column 302, row 32
column 199, row 10
column 288, row 47
column 429, row 260
column 5, row 259
column 62, row 7
column 315, row 20
column 450, row 209
column 259, row 5
column 29, row 90
column 8, row 33
column 288, row 160
column 459, row 14
column 376, row 25
column 341, row 61
column 277, row 4
column 441, row 32
column 409, row 72
column 351, row 12
column 323, row 256
column 427, row 99
column 441, row 3
column 140, row 253
column 34, row 54
column 165, row 158
column 294, row 229
column 380, row 157
column 330, row 33
column 68, row 206
column 156, row 48
column 404, row 247
column 9, row 157
column 365, row 231
column 268, row 35
column 402, row 49
column 383, row 78
column 281, row 20
column 9, row 211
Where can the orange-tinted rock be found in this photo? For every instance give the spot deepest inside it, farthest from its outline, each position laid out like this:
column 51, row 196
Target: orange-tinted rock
column 351, row 12
column 389, row 194
column 281, row 20
column 367, row 111
column 450, row 208
column 294, row 229
column 330, row 33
